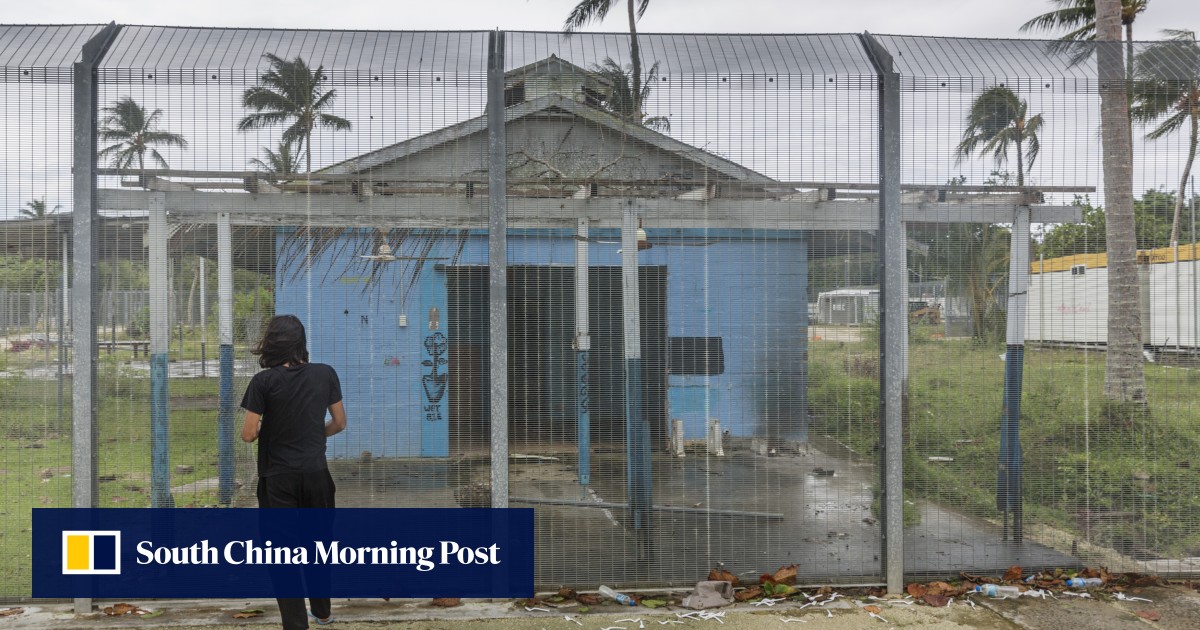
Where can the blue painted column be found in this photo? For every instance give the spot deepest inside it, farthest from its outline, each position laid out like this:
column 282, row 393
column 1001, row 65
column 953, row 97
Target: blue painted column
column 225, row 416
column 1008, row 478
column 583, row 345
column 160, row 438
column 434, row 395
column 637, row 425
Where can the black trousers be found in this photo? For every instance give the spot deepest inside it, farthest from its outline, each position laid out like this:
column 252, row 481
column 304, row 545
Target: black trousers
column 299, row 490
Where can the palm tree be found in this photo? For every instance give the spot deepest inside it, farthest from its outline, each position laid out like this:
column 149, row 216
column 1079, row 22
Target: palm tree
column 291, row 92
column 36, row 209
column 1160, row 89
column 1124, row 375
column 1079, row 17
column 594, row 11
column 621, row 100
column 135, row 134
column 285, row 161
column 998, row 119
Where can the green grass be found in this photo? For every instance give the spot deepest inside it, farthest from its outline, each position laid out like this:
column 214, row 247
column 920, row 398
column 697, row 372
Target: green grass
column 1120, row 480
column 35, row 454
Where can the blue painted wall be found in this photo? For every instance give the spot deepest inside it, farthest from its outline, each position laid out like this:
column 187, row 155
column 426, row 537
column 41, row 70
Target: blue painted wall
column 750, row 290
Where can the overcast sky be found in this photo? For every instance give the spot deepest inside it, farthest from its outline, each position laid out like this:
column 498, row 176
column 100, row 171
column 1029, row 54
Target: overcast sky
column 962, row 18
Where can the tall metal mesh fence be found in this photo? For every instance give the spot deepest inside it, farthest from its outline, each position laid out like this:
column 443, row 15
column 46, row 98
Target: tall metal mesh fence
column 691, row 369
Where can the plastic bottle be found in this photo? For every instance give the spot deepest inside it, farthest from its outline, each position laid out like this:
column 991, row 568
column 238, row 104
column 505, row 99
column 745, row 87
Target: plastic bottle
column 1084, row 582
column 998, row 590
column 620, row 598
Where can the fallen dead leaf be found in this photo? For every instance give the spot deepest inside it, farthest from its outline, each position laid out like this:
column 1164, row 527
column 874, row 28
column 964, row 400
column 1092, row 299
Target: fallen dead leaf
column 872, row 608
column 721, row 575
column 785, row 575
column 748, row 594
column 940, row 588
column 937, row 601
column 567, row 593
column 1013, row 573
column 117, row 610
column 249, row 613
column 916, row 589
column 588, row 599
column 8, row 612
column 1149, row 615
column 446, row 602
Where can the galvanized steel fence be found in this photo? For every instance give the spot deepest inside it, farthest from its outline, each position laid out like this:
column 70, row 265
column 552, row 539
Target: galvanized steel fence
column 837, row 301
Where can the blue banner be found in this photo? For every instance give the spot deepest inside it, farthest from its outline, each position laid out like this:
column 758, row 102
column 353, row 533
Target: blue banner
column 240, row 552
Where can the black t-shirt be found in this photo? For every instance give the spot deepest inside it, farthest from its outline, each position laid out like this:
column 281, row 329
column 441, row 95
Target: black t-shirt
column 292, row 401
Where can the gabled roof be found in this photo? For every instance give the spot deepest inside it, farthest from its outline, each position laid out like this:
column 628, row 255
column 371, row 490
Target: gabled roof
column 553, row 65
column 555, row 104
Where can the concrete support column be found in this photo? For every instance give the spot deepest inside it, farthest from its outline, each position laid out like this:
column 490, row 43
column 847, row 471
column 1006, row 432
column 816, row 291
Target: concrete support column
column 1008, row 484
column 583, row 346
column 160, row 339
column 225, row 420
column 498, row 267
column 637, row 425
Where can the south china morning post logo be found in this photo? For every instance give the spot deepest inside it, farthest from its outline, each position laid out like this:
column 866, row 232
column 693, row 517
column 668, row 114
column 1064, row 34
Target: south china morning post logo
column 91, row 552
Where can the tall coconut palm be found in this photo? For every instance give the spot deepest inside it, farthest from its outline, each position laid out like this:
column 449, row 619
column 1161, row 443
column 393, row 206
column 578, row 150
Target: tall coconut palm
column 1079, row 18
column 134, row 134
column 291, row 92
column 36, row 209
column 284, row 161
column 1167, row 84
column 588, row 11
column 1124, row 375
column 997, row 120
column 622, row 101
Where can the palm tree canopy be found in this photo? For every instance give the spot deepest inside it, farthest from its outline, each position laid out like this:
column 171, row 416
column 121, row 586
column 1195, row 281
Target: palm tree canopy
column 1079, row 18
column 292, row 92
column 620, row 99
column 1167, row 84
column 133, row 134
column 998, row 118
column 588, row 11
column 36, row 209
column 282, row 162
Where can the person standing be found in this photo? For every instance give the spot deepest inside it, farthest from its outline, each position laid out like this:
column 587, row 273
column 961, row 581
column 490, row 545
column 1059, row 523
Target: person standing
column 286, row 405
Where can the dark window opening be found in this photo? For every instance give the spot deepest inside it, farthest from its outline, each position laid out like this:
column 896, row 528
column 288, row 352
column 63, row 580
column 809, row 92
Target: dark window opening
column 698, row 356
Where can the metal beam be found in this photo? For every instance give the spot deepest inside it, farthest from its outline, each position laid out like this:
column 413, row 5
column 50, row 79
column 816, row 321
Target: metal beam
column 84, row 402
column 497, row 268
column 893, row 312
column 225, row 419
column 602, row 212
column 160, row 340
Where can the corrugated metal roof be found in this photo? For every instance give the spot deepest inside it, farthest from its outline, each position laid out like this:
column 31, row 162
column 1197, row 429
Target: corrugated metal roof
column 39, row 47
column 838, row 54
column 241, row 50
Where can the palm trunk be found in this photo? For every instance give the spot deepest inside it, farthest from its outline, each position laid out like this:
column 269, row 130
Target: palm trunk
column 1187, row 169
column 1020, row 162
column 1124, row 378
column 635, row 54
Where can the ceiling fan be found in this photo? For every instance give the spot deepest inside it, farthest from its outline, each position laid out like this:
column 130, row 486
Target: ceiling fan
column 384, row 254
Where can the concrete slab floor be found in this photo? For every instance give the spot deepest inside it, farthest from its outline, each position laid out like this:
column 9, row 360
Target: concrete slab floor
column 825, row 522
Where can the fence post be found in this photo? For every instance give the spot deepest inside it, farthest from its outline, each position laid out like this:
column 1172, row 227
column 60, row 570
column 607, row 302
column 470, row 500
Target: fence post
column 160, row 339
column 583, row 345
column 637, row 426
column 893, row 313
column 1008, row 497
column 498, row 267
column 225, row 420
column 83, row 227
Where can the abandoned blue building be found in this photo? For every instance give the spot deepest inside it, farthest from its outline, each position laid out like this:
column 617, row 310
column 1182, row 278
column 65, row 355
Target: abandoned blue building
column 723, row 310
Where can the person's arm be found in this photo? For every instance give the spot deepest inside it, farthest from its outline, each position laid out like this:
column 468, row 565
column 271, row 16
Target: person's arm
column 337, row 423
column 251, row 426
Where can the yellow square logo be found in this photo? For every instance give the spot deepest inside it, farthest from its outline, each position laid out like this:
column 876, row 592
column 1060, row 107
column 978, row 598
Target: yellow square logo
column 91, row 552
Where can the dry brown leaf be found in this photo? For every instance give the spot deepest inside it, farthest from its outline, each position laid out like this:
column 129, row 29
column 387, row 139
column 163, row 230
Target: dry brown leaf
column 872, row 608
column 747, row 594
column 916, row 589
column 785, row 575
column 1149, row 615
column 721, row 575
column 247, row 614
column 937, row 601
column 8, row 612
column 116, row 610
column 1013, row 573
column 567, row 593
column 940, row 588
column 588, row 599
column 446, row 602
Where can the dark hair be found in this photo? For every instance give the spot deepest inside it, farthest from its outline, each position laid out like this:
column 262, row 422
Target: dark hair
column 282, row 342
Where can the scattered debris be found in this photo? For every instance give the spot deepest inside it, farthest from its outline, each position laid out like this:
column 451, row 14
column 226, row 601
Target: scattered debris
column 1149, row 615
column 1079, row 595
column 875, row 616
column 446, row 602
column 118, row 610
column 719, row 574
column 792, row 620
column 709, row 594
column 248, row 613
column 9, row 612
column 536, row 609
column 768, row 602
column 1126, row 598
column 572, row 620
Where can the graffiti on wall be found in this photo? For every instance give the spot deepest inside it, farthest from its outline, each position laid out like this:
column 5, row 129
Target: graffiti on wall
column 434, row 382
